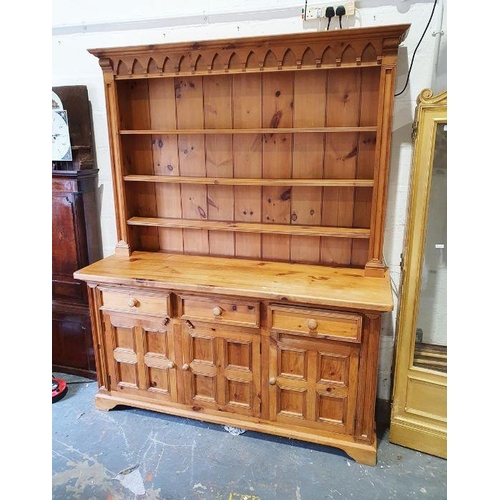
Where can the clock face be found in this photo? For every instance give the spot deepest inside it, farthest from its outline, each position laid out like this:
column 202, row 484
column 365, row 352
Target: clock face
column 56, row 101
column 61, row 146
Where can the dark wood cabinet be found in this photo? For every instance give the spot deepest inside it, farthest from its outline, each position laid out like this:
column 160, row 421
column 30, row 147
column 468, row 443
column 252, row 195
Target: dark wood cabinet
column 76, row 237
column 76, row 242
column 72, row 350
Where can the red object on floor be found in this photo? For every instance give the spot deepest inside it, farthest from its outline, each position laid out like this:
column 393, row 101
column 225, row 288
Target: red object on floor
column 59, row 389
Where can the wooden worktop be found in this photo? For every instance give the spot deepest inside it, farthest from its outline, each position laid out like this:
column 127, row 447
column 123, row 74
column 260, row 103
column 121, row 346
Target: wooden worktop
column 284, row 282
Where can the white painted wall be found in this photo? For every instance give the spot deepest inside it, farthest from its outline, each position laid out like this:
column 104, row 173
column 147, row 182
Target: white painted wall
column 78, row 26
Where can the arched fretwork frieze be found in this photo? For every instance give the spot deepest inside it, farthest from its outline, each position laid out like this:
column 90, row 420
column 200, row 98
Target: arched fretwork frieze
column 303, row 51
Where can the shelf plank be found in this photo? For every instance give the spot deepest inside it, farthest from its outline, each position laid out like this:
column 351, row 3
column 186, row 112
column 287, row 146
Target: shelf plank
column 250, row 227
column 229, row 181
column 231, row 131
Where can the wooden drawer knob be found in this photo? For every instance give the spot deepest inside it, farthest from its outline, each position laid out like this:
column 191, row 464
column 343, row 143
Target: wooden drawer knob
column 312, row 324
column 216, row 311
column 272, row 381
column 170, row 365
column 185, row 367
column 132, row 302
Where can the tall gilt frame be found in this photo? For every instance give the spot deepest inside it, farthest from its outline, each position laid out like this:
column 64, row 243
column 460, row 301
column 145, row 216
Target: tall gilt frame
column 419, row 416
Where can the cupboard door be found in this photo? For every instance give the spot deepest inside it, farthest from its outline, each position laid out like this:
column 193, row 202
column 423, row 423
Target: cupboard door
column 312, row 383
column 221, row 369
column 140, row 354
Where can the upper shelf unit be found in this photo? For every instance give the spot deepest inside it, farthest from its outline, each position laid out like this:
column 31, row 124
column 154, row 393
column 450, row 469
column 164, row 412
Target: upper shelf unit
column 272, row 148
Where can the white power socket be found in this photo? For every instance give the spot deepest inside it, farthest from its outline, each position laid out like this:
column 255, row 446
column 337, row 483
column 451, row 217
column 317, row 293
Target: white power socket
column 317, row 11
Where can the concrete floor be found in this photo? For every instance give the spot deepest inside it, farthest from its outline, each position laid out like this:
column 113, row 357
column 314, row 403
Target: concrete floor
column 134, row 454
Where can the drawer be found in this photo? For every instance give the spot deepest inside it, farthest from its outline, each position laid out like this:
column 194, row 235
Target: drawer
column 136, row 301
column 316, row 323
column 221, row 310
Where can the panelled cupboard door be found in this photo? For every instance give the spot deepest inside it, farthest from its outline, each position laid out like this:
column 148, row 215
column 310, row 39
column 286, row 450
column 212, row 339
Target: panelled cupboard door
column 221, row 368
column 140, row 356
column 313, row 382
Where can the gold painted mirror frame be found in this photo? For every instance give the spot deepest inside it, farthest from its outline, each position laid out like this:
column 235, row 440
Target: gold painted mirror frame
column 419, row 407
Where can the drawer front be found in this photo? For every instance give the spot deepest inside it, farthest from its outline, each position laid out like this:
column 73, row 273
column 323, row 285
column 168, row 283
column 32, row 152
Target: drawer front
column 136, row 301
column 221, row 310
column 316, row 323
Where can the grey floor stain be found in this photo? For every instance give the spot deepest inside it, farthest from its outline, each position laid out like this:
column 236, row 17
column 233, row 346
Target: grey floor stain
column 172, row 458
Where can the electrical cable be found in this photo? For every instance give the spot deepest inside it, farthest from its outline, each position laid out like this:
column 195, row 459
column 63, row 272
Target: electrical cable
column 340, row 11
column 416, row 48
column 329, row 13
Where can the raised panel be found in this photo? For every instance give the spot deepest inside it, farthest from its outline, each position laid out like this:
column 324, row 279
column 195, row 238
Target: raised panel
column 124, row 338
column 292, row 402
column 333, row 368
column 292, row 363
column 426, row 399
column 126, row 369
column 239, row 393
column 158, row 378
column 332, row 410
column 203, row 388
column 238, row 355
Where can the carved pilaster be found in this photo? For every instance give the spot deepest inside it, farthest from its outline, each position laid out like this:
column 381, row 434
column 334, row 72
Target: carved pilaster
column 368, row 373
column 97, row 335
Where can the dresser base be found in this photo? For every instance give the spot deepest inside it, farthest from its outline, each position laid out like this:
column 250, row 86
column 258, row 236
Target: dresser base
column 362, row 453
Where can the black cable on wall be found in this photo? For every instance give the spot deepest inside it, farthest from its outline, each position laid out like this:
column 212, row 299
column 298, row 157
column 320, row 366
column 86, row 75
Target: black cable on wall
column 416, row 48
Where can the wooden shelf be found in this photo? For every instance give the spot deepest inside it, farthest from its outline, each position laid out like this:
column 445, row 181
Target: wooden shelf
column 231, row 181
column 232, row 131
column 251, row 227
